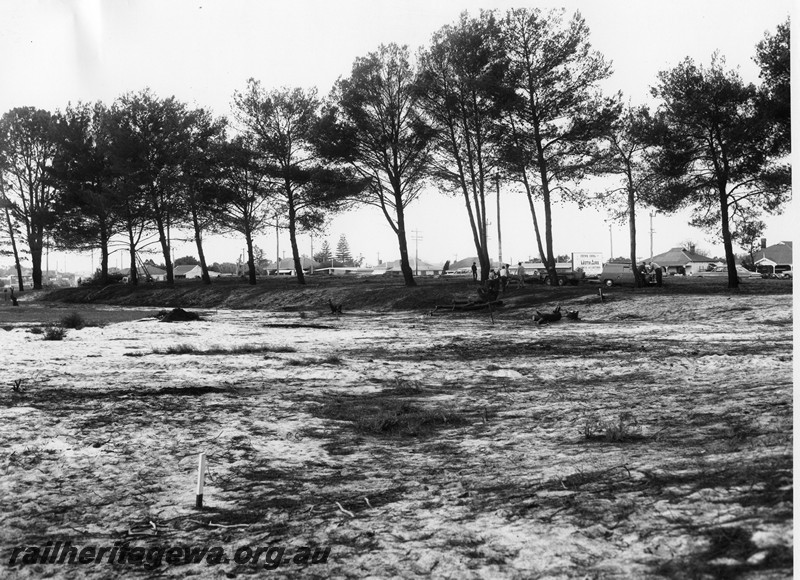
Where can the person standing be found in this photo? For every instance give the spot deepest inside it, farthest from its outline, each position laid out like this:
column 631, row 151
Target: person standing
column 521, row 274
column 503, row 277
column 474, row 272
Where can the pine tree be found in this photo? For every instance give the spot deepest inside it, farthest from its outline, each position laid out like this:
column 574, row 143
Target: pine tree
column 343, row 251
column 324, row 255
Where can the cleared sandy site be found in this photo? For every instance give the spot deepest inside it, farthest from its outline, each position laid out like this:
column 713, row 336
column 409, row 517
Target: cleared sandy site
column 652, row 438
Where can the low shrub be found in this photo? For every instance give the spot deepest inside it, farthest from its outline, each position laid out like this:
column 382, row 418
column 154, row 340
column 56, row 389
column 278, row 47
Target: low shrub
column 73, row 320
column 392, row 417
column 54, row 333
column 216, row 350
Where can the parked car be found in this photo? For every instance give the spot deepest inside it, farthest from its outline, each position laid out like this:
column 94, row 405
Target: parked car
column 723, row 273
column 617, row 273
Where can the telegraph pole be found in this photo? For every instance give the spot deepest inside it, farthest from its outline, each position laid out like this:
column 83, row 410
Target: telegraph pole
column 499, row 240
column 277, row 247
column 416, row 237
column 611, row 242
column 652, row 231
column 312, row 253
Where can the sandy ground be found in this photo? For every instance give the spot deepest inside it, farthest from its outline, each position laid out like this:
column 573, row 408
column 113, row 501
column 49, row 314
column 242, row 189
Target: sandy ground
column 635, row 443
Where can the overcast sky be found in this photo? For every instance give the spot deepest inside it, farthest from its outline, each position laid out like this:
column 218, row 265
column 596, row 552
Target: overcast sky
column 56, row 52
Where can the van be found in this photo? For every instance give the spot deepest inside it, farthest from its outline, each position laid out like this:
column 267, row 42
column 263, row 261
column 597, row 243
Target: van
column 617, row 273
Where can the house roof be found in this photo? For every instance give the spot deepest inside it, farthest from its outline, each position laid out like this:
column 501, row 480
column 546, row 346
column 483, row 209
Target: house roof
column 288, row 263
column 152, row 270
column 780, row 253
column 679, row 257
column 185, row 268
column 467, row 263
column 395, row 265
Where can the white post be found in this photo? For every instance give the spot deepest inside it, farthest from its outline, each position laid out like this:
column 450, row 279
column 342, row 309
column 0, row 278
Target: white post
column 201, row 474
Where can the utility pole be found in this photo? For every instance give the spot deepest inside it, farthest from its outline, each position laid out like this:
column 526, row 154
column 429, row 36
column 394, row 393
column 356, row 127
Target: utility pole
column 416, row 237
column 499, row 239
column 277, row 247
column 652, row 231
column 312, row 254
column 611, row 242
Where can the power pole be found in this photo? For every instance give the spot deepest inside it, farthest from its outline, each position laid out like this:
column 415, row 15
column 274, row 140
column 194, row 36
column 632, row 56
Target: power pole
column 277, row 247
column 611, row 242
column 652, row 231
column 416, row 237
column 499, row 239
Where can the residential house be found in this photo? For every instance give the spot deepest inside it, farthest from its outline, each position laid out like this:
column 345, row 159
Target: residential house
column 188, row 271
column 682, row 262
column 151, row 273
column 418, row 267
column 775, row 259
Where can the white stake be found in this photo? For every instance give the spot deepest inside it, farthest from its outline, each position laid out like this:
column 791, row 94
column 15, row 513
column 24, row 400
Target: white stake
column 201, row 475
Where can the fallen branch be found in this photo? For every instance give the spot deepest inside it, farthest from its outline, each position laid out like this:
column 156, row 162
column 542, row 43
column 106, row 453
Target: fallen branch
column 225, row 526
column 349, row 513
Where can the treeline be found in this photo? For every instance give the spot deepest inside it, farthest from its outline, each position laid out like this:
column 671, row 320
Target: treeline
column 509, row 98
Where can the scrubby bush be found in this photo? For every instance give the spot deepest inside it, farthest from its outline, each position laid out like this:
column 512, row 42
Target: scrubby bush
column 73, row 320
column 97, row 280
column 54, row 333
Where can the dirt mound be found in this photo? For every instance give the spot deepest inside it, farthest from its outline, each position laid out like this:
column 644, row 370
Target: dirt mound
column 177, row 315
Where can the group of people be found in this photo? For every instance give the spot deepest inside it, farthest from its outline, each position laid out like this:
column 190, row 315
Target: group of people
column 651, row 273
column 498, row 280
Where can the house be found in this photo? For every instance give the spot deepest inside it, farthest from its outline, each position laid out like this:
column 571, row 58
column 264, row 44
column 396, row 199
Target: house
column 151, row 273
column 775, row 259
column 188, row 271
column 682, row 261
column 418, row 267
column 286, row 266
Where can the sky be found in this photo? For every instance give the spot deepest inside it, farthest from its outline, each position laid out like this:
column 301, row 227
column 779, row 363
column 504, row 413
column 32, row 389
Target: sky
column 201, row 51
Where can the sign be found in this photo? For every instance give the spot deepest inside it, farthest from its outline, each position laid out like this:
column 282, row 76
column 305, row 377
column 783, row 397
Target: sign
column 590, row 262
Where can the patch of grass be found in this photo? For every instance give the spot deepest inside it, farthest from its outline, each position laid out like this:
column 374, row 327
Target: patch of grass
column 304, row 362
column 402, row 387
column 73, row 320
column 628, row 316
column 738, row 429
column 36, row 330
column 54, row 333
column 390, row 417
column 217, row 350
column 625, row 428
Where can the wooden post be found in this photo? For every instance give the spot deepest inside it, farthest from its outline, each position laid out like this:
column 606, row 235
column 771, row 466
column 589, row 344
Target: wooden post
column 201, row 474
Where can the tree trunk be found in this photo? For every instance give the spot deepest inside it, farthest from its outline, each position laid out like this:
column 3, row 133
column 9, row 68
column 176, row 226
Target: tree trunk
column 536, row 230
column 16, row 252
column 251, row 262
column 198, row 238
column 637, row 275
column 298, row 265
column 541, row 162
column 730, row 258
column 104, row 264
column 36, row 261
column 405, row 264
column 104, row 238
column 162, row 238
column 133, row 275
